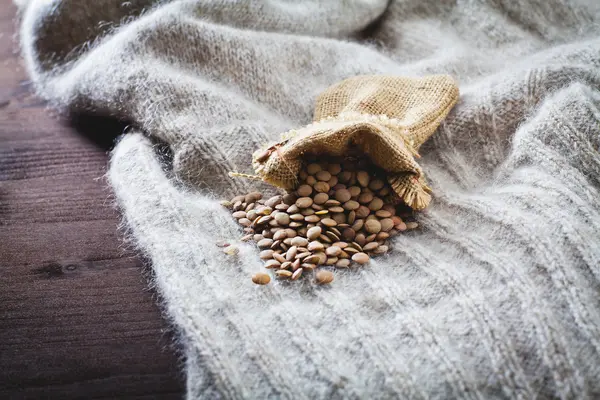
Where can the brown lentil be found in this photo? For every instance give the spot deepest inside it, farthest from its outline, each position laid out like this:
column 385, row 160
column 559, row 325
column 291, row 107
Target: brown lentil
column 362, row 212
column 354, row 191
column 321, row 198
column 297, row 274
column 360, row 258
column 375, row 204
column 341, row 212
column 282, row 273
column 412, row 225
column 260, row 278
column 323, row 277
column 322, row 187
column 328, row 222
column 304, row 190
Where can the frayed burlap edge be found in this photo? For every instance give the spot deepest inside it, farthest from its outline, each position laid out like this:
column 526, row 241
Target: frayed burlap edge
column 381, row 138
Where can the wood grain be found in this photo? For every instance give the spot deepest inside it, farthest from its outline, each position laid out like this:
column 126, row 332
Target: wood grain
column 76, row 317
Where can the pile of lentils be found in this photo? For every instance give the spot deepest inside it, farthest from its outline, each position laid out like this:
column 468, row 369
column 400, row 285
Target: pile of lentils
column 342, row 211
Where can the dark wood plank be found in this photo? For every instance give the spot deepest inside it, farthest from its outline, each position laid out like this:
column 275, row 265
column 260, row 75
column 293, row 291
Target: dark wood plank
column 77, row 319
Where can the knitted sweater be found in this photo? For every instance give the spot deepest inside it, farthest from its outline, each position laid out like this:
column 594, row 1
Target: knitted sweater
column 495, row 296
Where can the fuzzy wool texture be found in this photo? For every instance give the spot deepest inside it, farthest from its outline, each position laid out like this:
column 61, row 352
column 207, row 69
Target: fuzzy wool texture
column 495, row 296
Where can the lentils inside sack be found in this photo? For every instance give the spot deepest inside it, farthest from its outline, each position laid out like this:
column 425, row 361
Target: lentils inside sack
column 342, row 213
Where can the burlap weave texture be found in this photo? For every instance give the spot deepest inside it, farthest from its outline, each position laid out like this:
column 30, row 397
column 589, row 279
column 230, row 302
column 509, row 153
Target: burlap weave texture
column 386, row 117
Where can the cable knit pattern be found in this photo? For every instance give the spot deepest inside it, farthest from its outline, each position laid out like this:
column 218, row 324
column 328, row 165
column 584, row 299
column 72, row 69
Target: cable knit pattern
column 496, row 296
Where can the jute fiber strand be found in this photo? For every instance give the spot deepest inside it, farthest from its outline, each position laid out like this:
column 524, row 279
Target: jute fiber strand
column 387, row 117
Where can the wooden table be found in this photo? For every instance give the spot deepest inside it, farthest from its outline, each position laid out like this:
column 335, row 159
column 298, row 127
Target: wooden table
column 77, row 319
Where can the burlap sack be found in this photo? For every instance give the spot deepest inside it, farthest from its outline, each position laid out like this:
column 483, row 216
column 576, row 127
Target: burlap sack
column 387, row 117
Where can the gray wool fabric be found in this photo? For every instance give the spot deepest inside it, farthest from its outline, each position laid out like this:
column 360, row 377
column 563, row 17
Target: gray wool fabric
column 497, row 295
